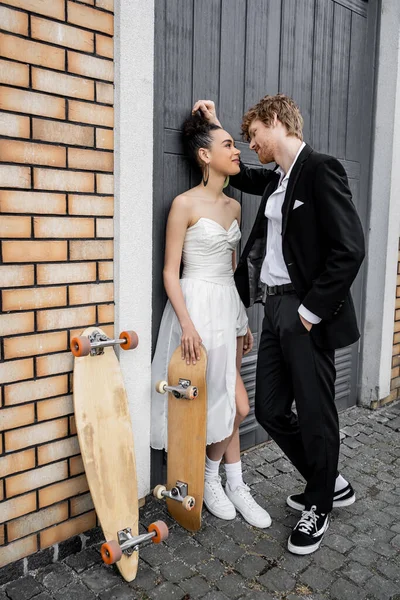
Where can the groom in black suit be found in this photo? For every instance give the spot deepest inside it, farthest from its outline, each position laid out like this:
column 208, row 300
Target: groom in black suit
column 302, row 255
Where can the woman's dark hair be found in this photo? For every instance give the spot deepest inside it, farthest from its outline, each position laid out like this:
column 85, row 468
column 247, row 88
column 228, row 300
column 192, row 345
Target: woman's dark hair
column 196, row 134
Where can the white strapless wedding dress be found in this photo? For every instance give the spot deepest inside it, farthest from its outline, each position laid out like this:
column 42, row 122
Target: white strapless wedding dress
column 218, row 315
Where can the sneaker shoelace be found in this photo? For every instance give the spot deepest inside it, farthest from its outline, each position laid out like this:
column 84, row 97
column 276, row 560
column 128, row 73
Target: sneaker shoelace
column 216, row 487
column 308, row 520
column 244, row 492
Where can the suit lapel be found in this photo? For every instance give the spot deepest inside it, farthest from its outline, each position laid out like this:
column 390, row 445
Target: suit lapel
column 294, row 176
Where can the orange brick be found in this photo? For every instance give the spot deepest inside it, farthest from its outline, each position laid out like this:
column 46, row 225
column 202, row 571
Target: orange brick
column 14, row 324
column 395, row 361
column 55, row 8
column 13, row 73
column 15, row 227
column 28, row 391
column 396, row 338
column 90, row 18
column 37, row 521
column 60, row 491
column 17, row 507
column 104, row 138
column 90, row 66
column 64, row 133
column 17, row 462
column 395, row 372
column 14, row 125
column 72, row 424
column 397, row 326
column 76, row 465
column 396, row 349
column 90, row 205
column 90, row 159
column 63, row 227
column 54, row 363
column 104, row 228
column 62, row 35
column 16, row 275
column 90, row 293
column 104, row 183
column 32, row 202
column 66, row 273
column 104, row 91
column 68, row 529
column 108, row 330
column 56, row 407
column 397, row 302
column 39, row 477
column 18, row 48
column 32, row 103
column 91, row 2
column 32, row 153
column 2, row 535
column 69, row 181
column 106, row 4
column 85, row 112
column 31, row 345
column 13, row 176
column 31, row 436
column 397, row 315
column 17, row 550
column 16, row 370
column 81, row 504
column 57, row 450
column 398, row 291
column 13, row 20
column 104, row 45
column 66, row 318
column 106, row 271
column 26, row 298
column 10, row 418
column 34, row 251
column 91, row 250
column 106, row 313
column 64, row 85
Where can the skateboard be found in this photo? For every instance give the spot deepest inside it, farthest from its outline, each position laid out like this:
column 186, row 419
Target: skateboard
column 187, row 429
column 106, row 442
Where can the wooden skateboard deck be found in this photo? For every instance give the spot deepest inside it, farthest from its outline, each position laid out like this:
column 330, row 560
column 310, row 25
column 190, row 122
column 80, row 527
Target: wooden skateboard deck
column 187, row 435
column 106, row 441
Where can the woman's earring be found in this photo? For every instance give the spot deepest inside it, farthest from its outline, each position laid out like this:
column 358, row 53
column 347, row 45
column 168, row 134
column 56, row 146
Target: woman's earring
column 206, row 174
column 226, row 182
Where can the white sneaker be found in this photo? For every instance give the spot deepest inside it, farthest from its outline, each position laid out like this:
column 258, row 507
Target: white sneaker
column 247, row 506
column 216, row 500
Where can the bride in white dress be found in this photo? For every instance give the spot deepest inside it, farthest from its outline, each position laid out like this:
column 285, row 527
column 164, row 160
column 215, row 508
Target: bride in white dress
column 204, row 307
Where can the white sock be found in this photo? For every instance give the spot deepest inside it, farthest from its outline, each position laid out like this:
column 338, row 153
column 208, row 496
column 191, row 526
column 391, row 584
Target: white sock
column 234, row 474
column 340, row 483
column 212, row 468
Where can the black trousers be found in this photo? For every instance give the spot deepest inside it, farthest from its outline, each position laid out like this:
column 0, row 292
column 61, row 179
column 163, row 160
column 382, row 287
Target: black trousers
column 291, row 367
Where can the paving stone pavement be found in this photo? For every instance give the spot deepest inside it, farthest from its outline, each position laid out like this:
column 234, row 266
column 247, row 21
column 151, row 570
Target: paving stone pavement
column 359, row 558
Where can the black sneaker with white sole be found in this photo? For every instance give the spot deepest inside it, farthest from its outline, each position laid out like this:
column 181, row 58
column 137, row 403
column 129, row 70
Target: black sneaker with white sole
column 308, row 534
column 344, row 497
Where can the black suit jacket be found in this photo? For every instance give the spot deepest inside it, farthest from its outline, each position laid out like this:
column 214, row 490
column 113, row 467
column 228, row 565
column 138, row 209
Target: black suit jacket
column 322, row 241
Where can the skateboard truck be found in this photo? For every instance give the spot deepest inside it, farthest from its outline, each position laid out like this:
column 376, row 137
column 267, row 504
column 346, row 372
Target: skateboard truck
column 183, row 390
column 96, row 342
column 179, row 493
column 112, row 551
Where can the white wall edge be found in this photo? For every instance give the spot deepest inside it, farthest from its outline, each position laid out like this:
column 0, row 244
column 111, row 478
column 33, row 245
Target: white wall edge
column 134, row 75
column 384, row 222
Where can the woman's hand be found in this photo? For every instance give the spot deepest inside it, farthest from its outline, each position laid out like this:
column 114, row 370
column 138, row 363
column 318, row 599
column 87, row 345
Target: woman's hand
column 207, row 109
column 190, row 344
column 248, row 342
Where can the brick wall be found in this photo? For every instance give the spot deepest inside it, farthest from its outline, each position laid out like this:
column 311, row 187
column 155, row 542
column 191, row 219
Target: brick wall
column 395, row 383
column 56, row 226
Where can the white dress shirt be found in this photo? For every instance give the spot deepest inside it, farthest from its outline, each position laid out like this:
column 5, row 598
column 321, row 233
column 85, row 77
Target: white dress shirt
column 273, row 270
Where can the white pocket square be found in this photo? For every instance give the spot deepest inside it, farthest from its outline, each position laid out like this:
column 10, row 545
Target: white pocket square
column 297, row 203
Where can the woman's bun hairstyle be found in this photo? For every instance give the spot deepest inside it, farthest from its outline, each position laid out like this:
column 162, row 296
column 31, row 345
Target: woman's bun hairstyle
column 196, row 134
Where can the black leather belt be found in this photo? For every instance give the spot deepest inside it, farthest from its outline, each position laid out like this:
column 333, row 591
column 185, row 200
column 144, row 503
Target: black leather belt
column 279, row 290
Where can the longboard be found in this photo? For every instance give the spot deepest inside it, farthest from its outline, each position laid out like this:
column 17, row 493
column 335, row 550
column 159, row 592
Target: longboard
column 187, row 435
column 106, row 441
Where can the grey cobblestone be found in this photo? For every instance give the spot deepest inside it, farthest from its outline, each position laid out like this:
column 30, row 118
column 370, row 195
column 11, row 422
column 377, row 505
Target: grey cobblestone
column 359, row 558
